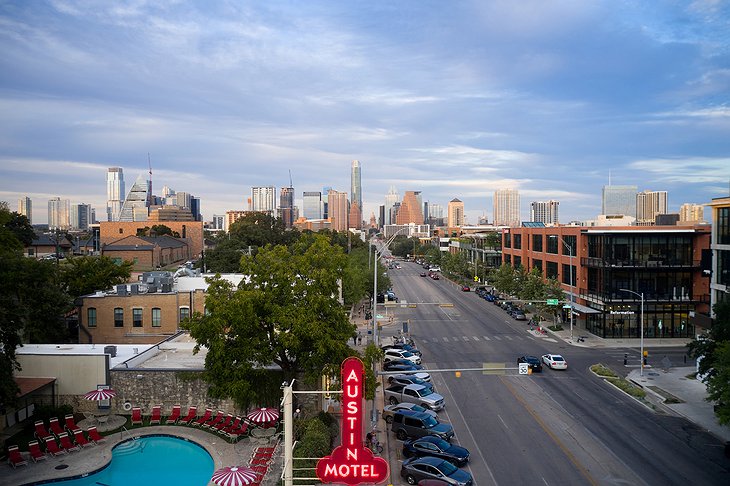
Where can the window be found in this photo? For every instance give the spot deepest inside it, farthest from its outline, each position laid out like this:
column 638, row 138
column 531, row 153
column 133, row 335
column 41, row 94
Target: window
column 552, row 269
column 568, row 272
column 537, row 264
column 536, row 242
column 507, row 240
column 156, row 317
column 184, row 313
column 518, row 242
column 136, row 317
column 118, row 317
column 569, row 243
column 552, row 244
column 723, row 226
column 91, row 317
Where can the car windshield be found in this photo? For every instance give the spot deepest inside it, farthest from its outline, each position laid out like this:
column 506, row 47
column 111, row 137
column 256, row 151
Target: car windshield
column 430, row 422
column 427, row 390
column 558, row 358
column 447, row 468
column 418, row 408
column 532, row 360
column 407, row 354
column 441, row 444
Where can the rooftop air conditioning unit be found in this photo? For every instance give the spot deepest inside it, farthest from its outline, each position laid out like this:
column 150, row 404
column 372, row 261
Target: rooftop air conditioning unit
column 134, row 289
column 112, row 350
column 121, row 290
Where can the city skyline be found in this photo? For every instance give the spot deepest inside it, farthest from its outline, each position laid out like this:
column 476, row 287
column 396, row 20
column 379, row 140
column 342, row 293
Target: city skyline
column 449, row 100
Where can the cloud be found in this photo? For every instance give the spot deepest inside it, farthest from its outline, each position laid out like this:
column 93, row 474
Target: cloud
column 693, row 170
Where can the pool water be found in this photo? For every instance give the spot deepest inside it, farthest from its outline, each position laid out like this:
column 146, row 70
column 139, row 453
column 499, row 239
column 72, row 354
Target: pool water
column 152, row 460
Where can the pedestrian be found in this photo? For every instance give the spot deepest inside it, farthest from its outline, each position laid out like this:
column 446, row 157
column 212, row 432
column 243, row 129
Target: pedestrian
column 359, row 337
column 354, row 339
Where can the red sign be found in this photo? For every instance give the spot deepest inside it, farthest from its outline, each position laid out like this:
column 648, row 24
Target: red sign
column 351, row 462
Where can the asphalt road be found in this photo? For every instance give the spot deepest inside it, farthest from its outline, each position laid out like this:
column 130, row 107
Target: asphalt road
column 549, row 428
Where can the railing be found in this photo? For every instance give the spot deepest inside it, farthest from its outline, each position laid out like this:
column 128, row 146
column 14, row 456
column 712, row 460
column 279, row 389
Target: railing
column 121, row 432
column 648, row 297
column 615, row 263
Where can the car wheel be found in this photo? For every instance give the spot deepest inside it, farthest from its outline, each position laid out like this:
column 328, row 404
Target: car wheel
column 410, row 479
column 393, row 401
column 389, row 419
column 401, row 434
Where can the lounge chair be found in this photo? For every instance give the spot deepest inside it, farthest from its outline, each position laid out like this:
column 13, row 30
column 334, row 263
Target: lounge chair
column 174, row 416
column 55, row 426
column 223, row 424
column 53, row 448
column 80, row 439
column 71, row 424
column 94, row 435
column 206, row 416
column 241, row 431
column 215, row 420
column 232, row 426
column 156, row 415
column 15, row 459
column 35, row 451
column 192, row 413
column 66, row 442
column 40, row 431
column 137, row 416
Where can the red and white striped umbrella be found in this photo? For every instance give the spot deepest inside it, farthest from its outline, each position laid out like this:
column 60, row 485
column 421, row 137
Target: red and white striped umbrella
column 234, row 476
column 100, row 394
column 263, row 415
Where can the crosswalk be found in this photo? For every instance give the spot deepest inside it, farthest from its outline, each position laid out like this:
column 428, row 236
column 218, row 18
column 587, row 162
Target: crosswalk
column 461, row 339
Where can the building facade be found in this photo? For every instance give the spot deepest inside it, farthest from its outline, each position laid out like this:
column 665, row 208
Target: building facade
column 599, row 265
column 338, row 210
column 720, row 285
column 25, row 207
column 619, row 200
column 506, row 205
column 691, row 213
column 545, row 212
column 455, row 210
column 136, row 204
column 410, row 209
column 190, row 231
column 80, row 216
column 356, row 184
column 650, row 204
column 391, row 199
column 263, row 200
column 286, row 206
column 312, row 205
column 114, row 193
column 59, row 214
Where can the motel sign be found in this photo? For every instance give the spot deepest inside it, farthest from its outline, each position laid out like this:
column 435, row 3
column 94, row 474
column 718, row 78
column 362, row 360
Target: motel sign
column 351, row 462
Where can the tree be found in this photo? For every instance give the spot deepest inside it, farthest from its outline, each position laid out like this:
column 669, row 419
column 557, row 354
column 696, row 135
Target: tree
column 718, row 383
column 706, row 345
column 285, row 312
column 87, row 274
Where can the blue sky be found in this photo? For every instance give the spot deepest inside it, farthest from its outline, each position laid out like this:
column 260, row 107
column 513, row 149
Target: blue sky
column 452, row 98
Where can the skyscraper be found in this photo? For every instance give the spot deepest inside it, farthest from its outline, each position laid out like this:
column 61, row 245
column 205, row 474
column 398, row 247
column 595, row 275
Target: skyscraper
column 286, row 206
column 689, row 212
column 263, row 199
column 355, row 216
column 59, row 213
column 114, row 193
column 648, row 205
column 455, row 211
column 356, row 184
column 390, row 200
column 25, row 207
column 80, row 216
column 312, row 205
column 506, row 207
column 544, row 211
column 410, row 209
column 134, row 207
column 435, row 215
column 619, row 200
column 338, row 209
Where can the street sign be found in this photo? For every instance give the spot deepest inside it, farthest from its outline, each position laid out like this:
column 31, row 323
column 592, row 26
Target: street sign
column 524, row 368
column 567, row 306
column 476, row 279
column 552, row 301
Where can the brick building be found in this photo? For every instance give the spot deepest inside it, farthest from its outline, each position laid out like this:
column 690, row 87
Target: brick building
column 190, row 231
column 148, row 253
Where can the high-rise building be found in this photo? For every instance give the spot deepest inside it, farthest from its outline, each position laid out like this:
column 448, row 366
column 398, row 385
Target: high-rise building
column 325, row 202
column 80, row 216
column 59, row 212
column 183, row 200
column 455, row 210
column 218, row 222
column 619, row 200
column 435, row 215
column 356, row 184
column 286, row 206
column 312, row 205
column 263, row 199
column 337, row 205
column 195, row 208
column 691, row 213
column 506, row 207
column 114, row 193
column 390, row 201
column 25, row 207
column 648, row 205
column 135, row 206
column 544, row 212
column 355, row 216
column 410, row 209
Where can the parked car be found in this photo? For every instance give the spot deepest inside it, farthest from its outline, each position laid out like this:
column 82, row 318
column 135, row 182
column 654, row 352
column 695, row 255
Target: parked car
column 436, row 447
column 405, row 346
column 407, row 423
column 415, row 469
column 401, row 365
column 422, row 395
column 435, row 276
column 399, row 354
column 390, row 410
column 532, row 361
column 555, row 361
column 489, row 297
column 465, row 288
column 424, row 274
column 410, row 379
column 519, row 315
column 435, row 268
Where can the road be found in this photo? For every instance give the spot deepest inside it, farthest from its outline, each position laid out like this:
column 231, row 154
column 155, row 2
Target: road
column 550, row 428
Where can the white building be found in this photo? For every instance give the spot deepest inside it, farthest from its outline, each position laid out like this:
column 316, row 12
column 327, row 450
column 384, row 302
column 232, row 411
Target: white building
column 544, row 212
column 506, row 207
column 114, row 193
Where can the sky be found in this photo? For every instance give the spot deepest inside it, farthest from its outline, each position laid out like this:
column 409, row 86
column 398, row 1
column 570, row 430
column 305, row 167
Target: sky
column 452, row 98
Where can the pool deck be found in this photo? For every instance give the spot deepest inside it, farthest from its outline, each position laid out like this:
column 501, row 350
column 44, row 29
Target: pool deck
column 90, row 459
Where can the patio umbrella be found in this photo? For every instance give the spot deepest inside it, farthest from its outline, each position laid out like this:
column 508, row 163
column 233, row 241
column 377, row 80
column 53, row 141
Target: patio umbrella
column 234, row 476
column 100, row 394
column 263, row 415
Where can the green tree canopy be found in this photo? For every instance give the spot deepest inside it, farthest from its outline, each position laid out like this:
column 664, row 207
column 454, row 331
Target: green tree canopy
column 87, row 274
column 707, row 344
column 284, row 313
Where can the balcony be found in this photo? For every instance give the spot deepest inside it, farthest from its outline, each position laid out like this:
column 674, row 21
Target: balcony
column 615, row 263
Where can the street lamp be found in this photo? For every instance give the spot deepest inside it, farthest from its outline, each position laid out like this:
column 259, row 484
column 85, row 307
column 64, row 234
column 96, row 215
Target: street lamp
column 572, row 287
column 376, row 257
column 641, row 324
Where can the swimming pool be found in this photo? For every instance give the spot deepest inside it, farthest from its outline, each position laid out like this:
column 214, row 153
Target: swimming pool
column 151, row 459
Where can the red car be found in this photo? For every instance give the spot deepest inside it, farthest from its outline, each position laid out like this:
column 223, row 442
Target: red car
column 435, row 276
column 466, row 288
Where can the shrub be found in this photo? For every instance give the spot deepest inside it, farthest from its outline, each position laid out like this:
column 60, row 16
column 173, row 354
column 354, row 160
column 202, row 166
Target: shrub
column 601, row 370
column 628, row 387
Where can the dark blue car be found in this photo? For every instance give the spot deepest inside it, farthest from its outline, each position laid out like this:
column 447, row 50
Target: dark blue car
column 401, row 365
column 436, row 447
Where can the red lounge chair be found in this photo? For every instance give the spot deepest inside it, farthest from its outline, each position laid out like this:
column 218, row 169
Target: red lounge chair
column 233, row 426
column 241, row 431
column 136, row 416
column 156, row 415
column 66, row 442
column 260, row 461
column 192, row 413
column 174, row 416
column 206, row 416
column 94, row 435
column 40, row 431
column 55, row 426
column 80, row 439
column 71, row 424
column 53, row 448
column 260, row 470
column 15, row 458
column 215, row 420
column 35, row 451
column 225, row 423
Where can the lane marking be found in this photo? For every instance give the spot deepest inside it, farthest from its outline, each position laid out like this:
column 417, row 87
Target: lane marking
column 503, row 422
column 476, row 338
column 486, row 338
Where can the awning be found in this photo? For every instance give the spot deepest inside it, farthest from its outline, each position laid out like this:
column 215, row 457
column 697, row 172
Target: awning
column 585, row 310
